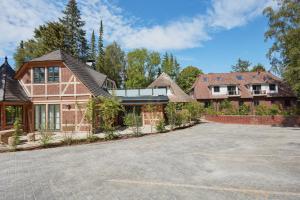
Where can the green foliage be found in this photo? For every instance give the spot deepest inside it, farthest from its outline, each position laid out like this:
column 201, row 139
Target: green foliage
column 244, row 110
column 91, row 137
column 187, row 77
column 68, row 138
column 171, row 114
column 74, row 37
column 142, row 68
column 274, row 110
column 133, row 121
column 46, row 137
column 210, row 111
column 170, row 65
column 291, row 111
column 100, row 63
column 17, row 132
column 136, row 60
column 241, row 66
column 261, row 110
column 20, row 55
column 93, row 49
column 46, row 38
column 184, row 116
column 161, row 126
column 259, row 67
column 284, row 32
column 109, row 109
column 114, row 62
column 195, row 109
column 227, row 108
column 265, row 110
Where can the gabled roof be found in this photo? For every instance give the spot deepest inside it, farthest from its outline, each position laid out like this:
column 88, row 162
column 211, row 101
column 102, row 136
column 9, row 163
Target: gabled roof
column 92, row 79
column 10, row 88
column 242, row 80
column 177, row 94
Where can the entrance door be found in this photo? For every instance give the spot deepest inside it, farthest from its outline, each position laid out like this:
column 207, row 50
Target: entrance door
column 39, row 116
column 54, row 116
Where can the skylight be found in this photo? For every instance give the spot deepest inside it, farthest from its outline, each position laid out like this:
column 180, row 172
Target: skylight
column 239, row 77
column 205, row 79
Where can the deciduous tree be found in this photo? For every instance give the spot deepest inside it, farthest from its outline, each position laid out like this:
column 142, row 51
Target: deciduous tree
column 187, row 77
column 284, row 31
column 241, row 66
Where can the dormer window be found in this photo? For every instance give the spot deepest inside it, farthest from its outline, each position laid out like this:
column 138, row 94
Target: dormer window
column 53, row 74
column 272, row 87
column 39, row 75
column 216, row 89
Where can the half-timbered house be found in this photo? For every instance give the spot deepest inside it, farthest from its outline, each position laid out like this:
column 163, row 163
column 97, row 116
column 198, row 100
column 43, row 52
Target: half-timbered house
column 59, row 87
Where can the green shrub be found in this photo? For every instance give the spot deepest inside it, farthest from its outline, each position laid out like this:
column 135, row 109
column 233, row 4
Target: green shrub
column 185, row 116
column 161, row 126
column 178, row 119
column 227, row 108
column 68, row 138
column 291, row 111
column 109, row 109
column 261, row 110
column 91, row 138
column 195, row 109
column 224, row 105
column 46, row 137
column 244, row 109
column 133, row 121
column 17, row 132
column 274, row 110
column 171, row 114
column 210, row 111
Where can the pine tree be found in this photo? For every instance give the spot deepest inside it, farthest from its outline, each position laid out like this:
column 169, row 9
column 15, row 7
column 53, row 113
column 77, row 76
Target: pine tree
column 176, row 69
column 164, row 64
column 20, row 56
column 100, row 64
column 170, row 65
column 75, row 41
column 93, row 50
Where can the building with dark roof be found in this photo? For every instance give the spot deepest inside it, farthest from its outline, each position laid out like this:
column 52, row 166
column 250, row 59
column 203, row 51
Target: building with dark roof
column 13, row 100
column 251, row 88
column 59, row 87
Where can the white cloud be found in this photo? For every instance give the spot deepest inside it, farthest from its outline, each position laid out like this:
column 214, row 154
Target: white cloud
column 18, row 20
column 232, row 13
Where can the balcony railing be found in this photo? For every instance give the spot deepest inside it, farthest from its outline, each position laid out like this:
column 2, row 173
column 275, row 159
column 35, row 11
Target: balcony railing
column 139, row 92
column 233, row 93
column 259, row 92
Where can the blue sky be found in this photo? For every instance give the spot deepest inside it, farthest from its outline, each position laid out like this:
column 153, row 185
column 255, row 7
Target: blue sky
column 209, row 34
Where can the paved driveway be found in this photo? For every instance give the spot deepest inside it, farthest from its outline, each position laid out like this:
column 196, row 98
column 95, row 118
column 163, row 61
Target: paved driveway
column 208, row 161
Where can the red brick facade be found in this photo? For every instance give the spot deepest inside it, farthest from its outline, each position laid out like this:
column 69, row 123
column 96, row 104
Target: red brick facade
column 259, row 120
column 69, row 93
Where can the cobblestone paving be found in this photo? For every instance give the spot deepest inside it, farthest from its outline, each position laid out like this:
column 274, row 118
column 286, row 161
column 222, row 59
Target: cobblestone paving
column 207, row 161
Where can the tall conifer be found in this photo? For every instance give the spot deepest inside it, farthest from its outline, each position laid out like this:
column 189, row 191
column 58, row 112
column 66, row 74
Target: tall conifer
column 75, row 40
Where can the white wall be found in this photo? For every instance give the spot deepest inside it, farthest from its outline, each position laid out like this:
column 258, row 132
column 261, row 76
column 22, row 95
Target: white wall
column 267, row 88
column 223, row 90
